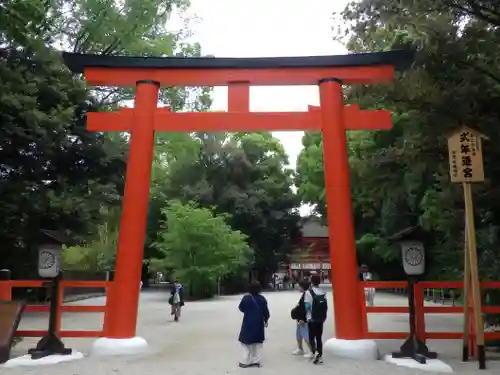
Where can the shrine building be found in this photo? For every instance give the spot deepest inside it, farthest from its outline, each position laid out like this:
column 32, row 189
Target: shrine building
column 313, row 255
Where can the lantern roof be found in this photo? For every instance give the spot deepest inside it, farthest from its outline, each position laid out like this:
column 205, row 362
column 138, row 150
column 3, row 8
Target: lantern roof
column 53, row 237
column 414, row 233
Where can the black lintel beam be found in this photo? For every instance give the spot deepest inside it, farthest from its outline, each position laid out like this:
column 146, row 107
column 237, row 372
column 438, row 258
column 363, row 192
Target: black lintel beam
column 400, row 59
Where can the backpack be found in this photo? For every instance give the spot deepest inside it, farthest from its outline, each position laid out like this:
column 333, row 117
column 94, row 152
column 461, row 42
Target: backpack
column 319, row 307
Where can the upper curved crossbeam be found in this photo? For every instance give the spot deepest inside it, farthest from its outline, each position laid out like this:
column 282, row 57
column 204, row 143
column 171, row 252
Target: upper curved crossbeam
column 216, row 71
column 399, row 59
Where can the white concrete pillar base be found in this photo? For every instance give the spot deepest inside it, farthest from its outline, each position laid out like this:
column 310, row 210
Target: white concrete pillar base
column 104, row 346
column 26, row 361
column 357, row 349
column 432, row 365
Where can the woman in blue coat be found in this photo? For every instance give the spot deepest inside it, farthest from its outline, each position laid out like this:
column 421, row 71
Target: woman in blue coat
column 255, row 317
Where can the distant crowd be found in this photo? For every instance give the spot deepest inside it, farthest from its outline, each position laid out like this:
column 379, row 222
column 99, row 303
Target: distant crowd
column 284, row 281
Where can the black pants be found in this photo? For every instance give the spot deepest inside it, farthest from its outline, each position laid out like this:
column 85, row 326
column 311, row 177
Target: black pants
column 316, row 337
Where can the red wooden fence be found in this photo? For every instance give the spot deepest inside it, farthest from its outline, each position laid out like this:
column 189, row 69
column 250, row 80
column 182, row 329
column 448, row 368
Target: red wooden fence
column 6, row 295
column 421, row 309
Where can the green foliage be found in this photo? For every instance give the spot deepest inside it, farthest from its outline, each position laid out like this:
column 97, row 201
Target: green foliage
column 309, row 177
column 242, row 174
column 133, row 28
column 200, row 247
column 91, row 257
column 23, row 22
column 99, row 253
column 54, row 173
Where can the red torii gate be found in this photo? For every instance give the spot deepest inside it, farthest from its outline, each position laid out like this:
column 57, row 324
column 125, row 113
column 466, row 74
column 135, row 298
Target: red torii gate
column 332, row 118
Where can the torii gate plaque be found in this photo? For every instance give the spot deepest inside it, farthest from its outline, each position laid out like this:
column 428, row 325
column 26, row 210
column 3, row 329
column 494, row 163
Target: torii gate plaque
column 332, row 118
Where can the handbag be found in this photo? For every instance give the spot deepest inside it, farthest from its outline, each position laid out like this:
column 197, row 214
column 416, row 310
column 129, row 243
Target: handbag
column 294, row 313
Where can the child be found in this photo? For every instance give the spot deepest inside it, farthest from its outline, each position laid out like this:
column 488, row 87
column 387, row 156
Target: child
column 299, row 315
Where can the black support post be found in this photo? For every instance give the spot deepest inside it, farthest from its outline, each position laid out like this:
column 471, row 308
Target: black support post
column 51, row 344
column 413, row 347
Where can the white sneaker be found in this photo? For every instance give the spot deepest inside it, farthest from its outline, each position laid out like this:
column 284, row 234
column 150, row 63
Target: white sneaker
column 308, row 355
column 298, row 352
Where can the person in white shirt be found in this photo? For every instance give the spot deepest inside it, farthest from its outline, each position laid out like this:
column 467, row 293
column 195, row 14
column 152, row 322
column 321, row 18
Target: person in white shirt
column 366, row 275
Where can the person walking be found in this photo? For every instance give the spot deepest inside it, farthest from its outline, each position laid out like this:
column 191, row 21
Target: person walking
column 299, row 314
column 366, row 275
column 256, row 315
column 176, row 300
column 316, row 310
column 286, row 281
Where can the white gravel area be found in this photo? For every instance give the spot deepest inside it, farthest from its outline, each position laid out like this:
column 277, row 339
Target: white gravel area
column 204, row 342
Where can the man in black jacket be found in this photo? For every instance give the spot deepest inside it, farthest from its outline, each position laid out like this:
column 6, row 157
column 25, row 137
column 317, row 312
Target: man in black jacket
column 299, row 315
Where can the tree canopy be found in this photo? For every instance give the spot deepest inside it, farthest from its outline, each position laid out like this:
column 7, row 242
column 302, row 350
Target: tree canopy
column 54, row 173
column 244, row 175
column 200, row 247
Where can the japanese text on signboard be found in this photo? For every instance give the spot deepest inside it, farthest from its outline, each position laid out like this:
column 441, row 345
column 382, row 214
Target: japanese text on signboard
column 466, row 161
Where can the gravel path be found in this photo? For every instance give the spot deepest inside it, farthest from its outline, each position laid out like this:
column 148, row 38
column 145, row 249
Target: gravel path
column 205, row 341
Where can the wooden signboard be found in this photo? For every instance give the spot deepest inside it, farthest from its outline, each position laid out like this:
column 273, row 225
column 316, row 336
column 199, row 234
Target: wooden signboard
column 466, row 166
column 466, row 156
column 10, row 316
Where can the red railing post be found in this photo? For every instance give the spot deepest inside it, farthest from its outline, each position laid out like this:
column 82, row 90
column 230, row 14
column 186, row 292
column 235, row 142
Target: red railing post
column 5, row 286
column 107, row 307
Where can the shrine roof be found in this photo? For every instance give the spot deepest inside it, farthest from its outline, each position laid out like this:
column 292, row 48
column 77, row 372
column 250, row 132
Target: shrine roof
column 400, row 59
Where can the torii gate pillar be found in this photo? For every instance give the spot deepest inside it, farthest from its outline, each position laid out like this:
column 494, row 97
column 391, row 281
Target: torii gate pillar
column 345, row 286
column 121, row 313
column 341, row 237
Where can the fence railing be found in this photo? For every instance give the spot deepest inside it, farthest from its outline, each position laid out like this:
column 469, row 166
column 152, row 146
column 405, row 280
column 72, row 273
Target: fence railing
column 6, row 295
column 437, row 295
column 421, row 309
